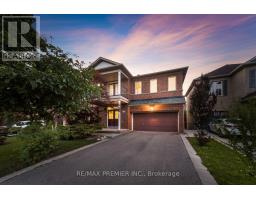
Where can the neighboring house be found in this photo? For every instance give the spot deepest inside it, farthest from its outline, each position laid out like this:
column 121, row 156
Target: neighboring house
column 149, row 102
column 231, row 83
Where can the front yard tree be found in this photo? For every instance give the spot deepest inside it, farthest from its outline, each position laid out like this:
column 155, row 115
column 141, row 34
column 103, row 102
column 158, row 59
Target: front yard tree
column 245, row 143
column 55, row 85
column 202, row 104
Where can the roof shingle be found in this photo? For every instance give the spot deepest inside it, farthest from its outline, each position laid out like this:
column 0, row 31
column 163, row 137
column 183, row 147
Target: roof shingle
column 224, row 70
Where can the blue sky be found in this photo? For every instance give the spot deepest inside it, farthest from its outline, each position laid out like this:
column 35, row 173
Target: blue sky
column 149, row 43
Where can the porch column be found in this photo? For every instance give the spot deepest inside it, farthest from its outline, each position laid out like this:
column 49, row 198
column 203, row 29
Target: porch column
column 119, row 115
column 119, row 82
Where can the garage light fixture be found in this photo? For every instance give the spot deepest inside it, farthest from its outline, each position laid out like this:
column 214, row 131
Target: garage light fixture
column 151, row 107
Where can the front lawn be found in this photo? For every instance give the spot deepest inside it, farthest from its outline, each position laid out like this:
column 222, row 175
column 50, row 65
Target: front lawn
column 10, row 160
column 227, row 166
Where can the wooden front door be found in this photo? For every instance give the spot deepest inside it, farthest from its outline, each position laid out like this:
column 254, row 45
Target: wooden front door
column 113, row 118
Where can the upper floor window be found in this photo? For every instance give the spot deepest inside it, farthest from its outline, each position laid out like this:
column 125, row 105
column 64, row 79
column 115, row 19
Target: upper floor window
column 172, row 83
column 153, row 85
column 219, row 88
column 137, row 87
column 252, row 78
column 113, row 89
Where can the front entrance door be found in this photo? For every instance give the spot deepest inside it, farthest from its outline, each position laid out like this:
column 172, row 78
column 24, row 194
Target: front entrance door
column 113, row 118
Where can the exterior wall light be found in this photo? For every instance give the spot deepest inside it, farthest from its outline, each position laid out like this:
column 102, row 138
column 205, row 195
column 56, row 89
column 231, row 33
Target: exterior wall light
column 151, row 107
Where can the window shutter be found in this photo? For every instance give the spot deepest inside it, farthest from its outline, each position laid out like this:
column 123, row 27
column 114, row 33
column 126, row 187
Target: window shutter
column 252, row 78
column 225, row 88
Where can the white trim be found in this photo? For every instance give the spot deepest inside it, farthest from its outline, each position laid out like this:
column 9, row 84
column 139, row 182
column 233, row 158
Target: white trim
column 124, row 74
column 119, row 115
column 109, row 72
column 119, row 97
column 132, row 121
column 178, row 121
column 107, row 117
column 119, row 82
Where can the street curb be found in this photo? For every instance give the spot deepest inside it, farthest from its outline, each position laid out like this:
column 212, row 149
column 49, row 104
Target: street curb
column 27, row 169
column 203, row 173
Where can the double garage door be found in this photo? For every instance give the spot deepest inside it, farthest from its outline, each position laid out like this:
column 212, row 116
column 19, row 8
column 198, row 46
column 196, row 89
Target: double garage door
column 157, row 121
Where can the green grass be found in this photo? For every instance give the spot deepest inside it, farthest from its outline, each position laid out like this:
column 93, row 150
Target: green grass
column 227, row 166
column 10, row 160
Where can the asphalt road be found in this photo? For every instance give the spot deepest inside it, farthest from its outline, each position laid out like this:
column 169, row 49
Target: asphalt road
column 138, row 158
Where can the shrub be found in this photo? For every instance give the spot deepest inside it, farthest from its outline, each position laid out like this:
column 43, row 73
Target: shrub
column 38, row 145
column 2, row 139
column 3, row 134
column 64, row 133
column 77, row 131
column 14, row 130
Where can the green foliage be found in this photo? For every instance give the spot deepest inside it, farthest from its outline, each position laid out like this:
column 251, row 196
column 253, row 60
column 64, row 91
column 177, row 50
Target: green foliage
column 2, row 139
column 14, row 130
column 64, row 133
column 246, row 141
column 37, row 145
column 54, row 85
column 77, row 131
column 202, row 104
column 226, row 165
column 3, row 134
column 10, row 153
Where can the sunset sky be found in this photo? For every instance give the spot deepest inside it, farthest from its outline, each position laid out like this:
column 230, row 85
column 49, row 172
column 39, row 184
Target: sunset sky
column 149, row 43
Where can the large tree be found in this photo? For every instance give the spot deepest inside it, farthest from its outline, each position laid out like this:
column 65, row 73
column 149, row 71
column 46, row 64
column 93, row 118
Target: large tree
column 201, row 107
column 56, row 84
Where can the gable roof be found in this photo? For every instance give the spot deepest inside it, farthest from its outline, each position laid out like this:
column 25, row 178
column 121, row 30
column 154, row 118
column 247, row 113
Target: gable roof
column 223, row 71
column 116, row 65
column 252, row 60
column 101, row 59
column 226, row 70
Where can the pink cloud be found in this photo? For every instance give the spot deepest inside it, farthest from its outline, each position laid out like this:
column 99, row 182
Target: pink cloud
column 160, row 42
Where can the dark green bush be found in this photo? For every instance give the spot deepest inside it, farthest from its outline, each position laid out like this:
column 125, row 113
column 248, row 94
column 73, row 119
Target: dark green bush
column 77, row 131
column 14, row 130
column 64, row 133
column 38, row 145
column 2, row 139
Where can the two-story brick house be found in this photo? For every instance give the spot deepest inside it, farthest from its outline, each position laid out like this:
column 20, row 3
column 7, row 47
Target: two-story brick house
column 148, row 102
column 231, row 83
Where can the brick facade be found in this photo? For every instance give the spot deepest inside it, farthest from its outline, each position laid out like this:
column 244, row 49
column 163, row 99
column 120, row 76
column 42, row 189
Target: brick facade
column 128, row 81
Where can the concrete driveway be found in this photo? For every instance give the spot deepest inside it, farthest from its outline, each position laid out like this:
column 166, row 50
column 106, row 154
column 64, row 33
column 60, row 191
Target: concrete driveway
column 136, row 158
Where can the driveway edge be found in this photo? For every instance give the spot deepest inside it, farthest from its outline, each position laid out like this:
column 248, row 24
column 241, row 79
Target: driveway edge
column 27, row 169
column 203, row 173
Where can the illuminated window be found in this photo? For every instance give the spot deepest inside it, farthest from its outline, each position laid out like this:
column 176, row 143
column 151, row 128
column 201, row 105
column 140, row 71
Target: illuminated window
column 116, row 114
column 138, row 87
column 153, row 85
column 111, row 114
column 172, row 83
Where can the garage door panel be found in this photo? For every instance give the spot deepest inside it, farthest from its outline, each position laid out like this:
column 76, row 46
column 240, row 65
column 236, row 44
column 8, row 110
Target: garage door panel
column 165, row 121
